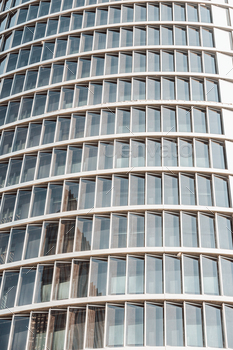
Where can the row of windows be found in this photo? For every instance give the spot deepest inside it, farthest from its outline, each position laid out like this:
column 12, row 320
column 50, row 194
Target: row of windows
column 104, row 122
column 105, row 65
column 5, row 5
column 129, row 324
column 166, row 61
column 110, row 15
column 119, row 37
column 150, row 229
column 122, row 191
column 116, row 276
column 109, row 91
column 106, row 155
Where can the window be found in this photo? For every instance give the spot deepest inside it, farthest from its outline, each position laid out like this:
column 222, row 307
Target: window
column 49, row 239
column 171, row 230
column 119, row 231
column 172, row 275
column 7, row 209
column 137, row 190
column 221, row 192
column 95, row 327
column 115, row 326
column 189, row 230
column 135, row 275
column 54, row 198
column 98, row 277
column 56, row 331
column 134, row 325
column 38, row 201
column 186, row 153
column 204, row 190
column 122, row 155
column 174, row 317
column 20, row 331
column 202, row 154
column 70, row 201
column 154, row 230
column 33, row 241
column 191, row 275
column 154, row 277
column 154, row 189
column 214, row 326
column 22, row 207
column 138, row 152
column 170, row 190
column 87, row 194
column 194, row 326
column 101, row 232
column 224, row 232
column 62, row 281
column 27, row 280
column 136, row 230
column 84, row 234
column 210, row 276
column 117, row 271
column 104, row 187
column 8, row 293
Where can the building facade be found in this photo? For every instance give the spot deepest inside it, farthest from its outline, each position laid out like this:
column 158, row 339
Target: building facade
column 116, row 174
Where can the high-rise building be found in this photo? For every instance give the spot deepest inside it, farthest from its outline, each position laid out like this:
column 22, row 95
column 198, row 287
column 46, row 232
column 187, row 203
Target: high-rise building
column 116, row 174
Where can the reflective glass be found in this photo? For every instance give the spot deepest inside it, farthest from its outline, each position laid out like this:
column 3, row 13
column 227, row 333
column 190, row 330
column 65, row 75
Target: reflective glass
column 135, row 275
column 214, row 327
column 172, row 276
column 84, row 234
column 115, row 326
column 98, row 277
column 154, row 276
column 27, row 280
column 194, row 326
column 191, row 276
column 210, row 276
column 117, row 271
column 174, row 317
column 134, row 325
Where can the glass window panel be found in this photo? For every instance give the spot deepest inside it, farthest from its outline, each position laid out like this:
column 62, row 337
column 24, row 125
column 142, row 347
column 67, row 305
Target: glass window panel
column 174, row 317
column 140, row 13
column 27, row 280
column 153, row 61
column 33, row 12
column 122, row 155
column 95, row 327
column 209, row 62
column 207, row 38
column 138, row 153
column 31, row 80
column 61, row 48
column 54, row 199
column 169, row 154
column 179, row 12
column 153, row 89
column 218, row 158
column 35, row 54
column 189, row 230
column 28, row 34
column 199, row 121
column 108, row 123
column 191, row 276
column 210, row 276
column 172, row 276
column 9, row 286
column 23, row 202
column 87, row 40
column 53, row 101
column 90, row 157
column 120, row 193
column 64, row 24
column 48, row 51
column 11, row 64
column 6, row 87
column 7, row 210
column 168, row 89
column 221, row 192
column 125, row 63
column 114, row 15
column 16, row 245
column 135, row 275
column 70, row 200
column 44, row 165
column 154, row 277
column 111, row 64
column 6, row 142
column 127, row 14
column 84, row 234
column 97, row 65
column 119, row 231
column 98, row 277
column 214, row 331
column 37, row 335
column 52, row 27
column 56, row 331
column 214, row 122
column 137, row 190
column 95, row 94
column 110, row 90
column 100, row 41
column 4, row 238
column 59, row 160
column 124, row 91
column 33, row 241
column 113, row 38
column 170, row 190
column 67, row 98
column 227, row 276
column 117, row 271
column 74, row 159
column 26, row 108
column 154, row 230
column 44, row 283
column 192, row 13
column 167, row 36
column 20, row 331
column 104, row 187
column 12, row 113
column 204, row 191
column 18, row 84
column 57, row 73
column 154, row 189
column 153, row 120
column 186, row 153
column 80, row 279
column 14, row 172
column 171, row 230
column 183, row 90
column 34, row 135
column 224, row 232
column 115, row 326
column 167, row 61
column 76, row 22
column 38, row 202
column 136, row 230
column 74, row 42
column 16, row 40
column 39, row 104
column 202, row 154
column 180, row 36
column 5, row 326
column 154, row 325
column 194, row 38
column 39, row 33
column 212, row 91
column 49, row 239
column 62, row 281
column 101, row 233
column 194, row 326
column 87, row 194
column 134, row 325
column 71, row 70
column 197, row 90
column 81, row 95
column 102, row 17
column 207, row 231
column 139, row 36
column 229, row 319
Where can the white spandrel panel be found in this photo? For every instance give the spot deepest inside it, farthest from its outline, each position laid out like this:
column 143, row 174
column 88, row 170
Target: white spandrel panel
column 225, row 65
column 223, row 39
column 229, row 153
column 226, row 89
column 220, row 16
column 227, row 117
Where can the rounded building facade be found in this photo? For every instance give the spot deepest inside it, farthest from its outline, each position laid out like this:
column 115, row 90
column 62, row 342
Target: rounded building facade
column 116, row 174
